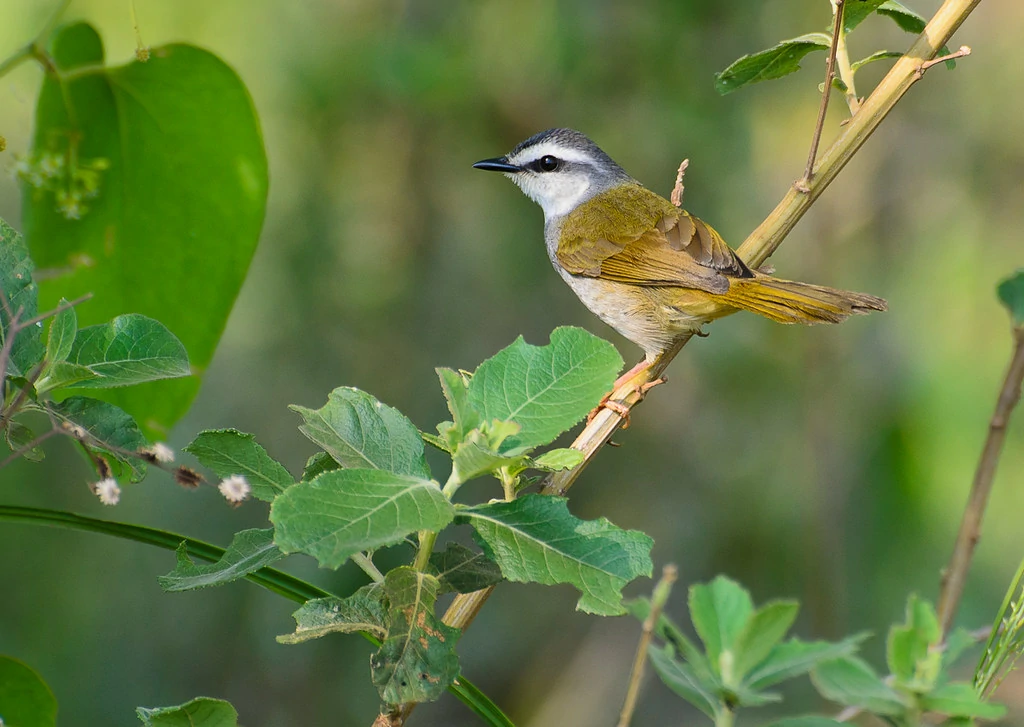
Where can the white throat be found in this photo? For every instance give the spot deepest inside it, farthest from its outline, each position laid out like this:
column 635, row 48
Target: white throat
column 556, row 194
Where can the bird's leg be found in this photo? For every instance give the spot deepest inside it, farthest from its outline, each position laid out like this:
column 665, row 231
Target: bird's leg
column 641, row 389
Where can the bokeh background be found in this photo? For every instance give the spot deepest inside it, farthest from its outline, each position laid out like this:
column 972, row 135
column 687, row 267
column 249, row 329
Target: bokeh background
column 827, row 464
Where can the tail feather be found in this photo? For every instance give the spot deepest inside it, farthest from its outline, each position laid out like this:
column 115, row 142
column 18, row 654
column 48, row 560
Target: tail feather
column 787, row 301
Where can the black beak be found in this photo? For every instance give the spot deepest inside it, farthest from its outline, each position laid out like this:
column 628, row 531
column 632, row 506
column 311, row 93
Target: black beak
column 498, row 164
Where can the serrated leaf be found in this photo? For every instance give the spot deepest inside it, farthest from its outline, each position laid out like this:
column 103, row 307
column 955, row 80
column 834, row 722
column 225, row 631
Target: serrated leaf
column 112, row 432
column 679, row 677
column 231, row 452
column 545, row 389
column 960, row 700
column 200, row 712
column 131, row 349
column 25, row 699
column 913, row 647
column 317, row 463
column 456, row 394
column 535, row 539
column 347, row 511
column 22, row 294
column 558, row 459
column 910, row 22
column 61, row 336
column 851, row 682
column 794, row 657
column 775, row 62
column 1011, row 295
column 18, row 435
column 360, row 432
column 762, row 633
column 880, row 55
column 362, row 611
column 417, row 661
column 462, row 570
column 719, row 611
column 856, row 11
column 63, row 375
column 249, row 551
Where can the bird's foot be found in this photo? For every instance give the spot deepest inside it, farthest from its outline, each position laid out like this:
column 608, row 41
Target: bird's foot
column 618, row 407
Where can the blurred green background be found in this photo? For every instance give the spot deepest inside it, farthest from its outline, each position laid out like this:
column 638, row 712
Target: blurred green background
column 828, row 464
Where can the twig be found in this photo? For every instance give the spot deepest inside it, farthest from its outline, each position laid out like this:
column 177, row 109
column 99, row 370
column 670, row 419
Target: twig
column 970, row 526
column 658, row 599
column 826, row 93
column 963, row 52
column 677, row 190
column 28, row 447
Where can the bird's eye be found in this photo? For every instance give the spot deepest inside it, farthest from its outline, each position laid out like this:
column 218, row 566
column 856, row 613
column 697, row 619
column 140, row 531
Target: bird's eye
column 548, row 163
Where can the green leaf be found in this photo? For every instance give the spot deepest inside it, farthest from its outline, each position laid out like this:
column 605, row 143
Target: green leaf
column 880, row 55
column 913, row 651
column 456, row 393
column 18, row 435
column 545, row 389
column 856, row 11
column 362, row 611
column 347, row 511
column 558, row 459
column 61, row 336
column 850, row 681
column 25, row 699
column 681, row 679
column 319, row 462
column 417, row 661
column 131, row 349
column 362, row 433
column 111, row 431
column 960, row 700
column 775, row 62
column 810, row 720
column 719, row 611
column 200, row 712
column 473, row 459
column 794, row 657
column 179, row 206
column 910, row 22
column 462, row 570
column 22, row 294
column 957, row 643
column 535, row 539
column 249, row 551
column 1011, row 294
column 231, row 452
column 750, row 698
column 62, row 375
column 761, row 634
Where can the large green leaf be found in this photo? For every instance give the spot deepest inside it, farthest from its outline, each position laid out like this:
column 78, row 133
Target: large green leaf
column 360, row 432
column 249, row 551
column 417, row 661
column 131, row 349
column 775, row 62
column 180, row 202
column 345, row 511
column 231, row 452
column 200, row 712
column 463, row 570
column 545, row 389
column 362, row 611
column 25, row 699
column 852, row 682
column 112, row 432
column 535, row 539
column 719, row 611
column 22, row 295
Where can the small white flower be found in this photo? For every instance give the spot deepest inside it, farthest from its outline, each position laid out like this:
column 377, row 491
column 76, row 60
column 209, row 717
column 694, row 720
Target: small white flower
column 234, row 488
column 161, row 452
column 107, row 490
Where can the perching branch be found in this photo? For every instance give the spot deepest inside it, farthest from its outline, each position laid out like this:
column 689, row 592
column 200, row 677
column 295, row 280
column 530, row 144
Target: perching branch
column 955, row 576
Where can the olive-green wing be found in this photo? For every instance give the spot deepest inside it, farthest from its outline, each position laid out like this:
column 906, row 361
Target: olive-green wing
column 631, row 235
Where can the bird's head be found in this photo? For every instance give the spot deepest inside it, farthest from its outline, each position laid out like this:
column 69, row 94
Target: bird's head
column 558, row 169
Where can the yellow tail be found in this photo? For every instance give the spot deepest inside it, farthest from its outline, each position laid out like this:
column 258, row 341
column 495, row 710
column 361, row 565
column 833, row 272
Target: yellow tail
column 787, row 301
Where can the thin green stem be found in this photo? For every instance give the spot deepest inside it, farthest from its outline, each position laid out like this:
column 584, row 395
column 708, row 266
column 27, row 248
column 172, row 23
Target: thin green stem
column 364, row 562
column 725, row 718
column 429, row 537
column 15, row 60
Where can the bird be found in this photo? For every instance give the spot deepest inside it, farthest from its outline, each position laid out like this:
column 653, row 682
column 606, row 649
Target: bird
column 647, row 268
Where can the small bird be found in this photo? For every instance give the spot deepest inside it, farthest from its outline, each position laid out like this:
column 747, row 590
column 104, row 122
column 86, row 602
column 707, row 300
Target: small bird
column 645, row 267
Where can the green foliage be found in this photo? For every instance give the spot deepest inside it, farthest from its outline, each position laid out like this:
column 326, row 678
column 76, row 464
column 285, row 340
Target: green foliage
column 249, row 551
column 130, row 349
column 853, row 682
column 1011, row 295
column 146, row 185
column 535, row 539
column 111, row 432
column 231, row 452
column 346, row 511
column 459, row 569
column 362, row 611
column 22, row 295
column 200, row 712
column 417, row 660
column 775, row 62
column 25, row 699
column 914, row 652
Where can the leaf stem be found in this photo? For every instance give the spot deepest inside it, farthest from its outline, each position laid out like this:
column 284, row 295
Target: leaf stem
column 366, row 564
column 970, row 526
column 826, row 93
column 429, row 537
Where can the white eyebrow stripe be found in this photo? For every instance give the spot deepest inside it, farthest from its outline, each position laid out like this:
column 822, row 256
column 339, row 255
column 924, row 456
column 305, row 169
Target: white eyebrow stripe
column 546, row 148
